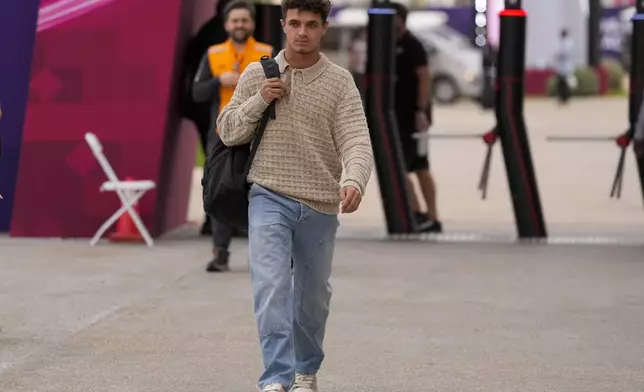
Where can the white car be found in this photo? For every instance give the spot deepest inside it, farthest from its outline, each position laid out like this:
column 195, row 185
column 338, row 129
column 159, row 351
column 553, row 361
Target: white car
column 456, row 65
column 625, row 17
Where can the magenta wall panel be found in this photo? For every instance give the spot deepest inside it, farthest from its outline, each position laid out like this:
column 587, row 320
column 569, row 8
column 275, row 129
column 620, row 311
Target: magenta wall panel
column 110, row 67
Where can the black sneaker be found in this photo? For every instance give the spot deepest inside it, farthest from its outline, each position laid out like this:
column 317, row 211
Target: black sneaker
column 220, row 261
column 426, row 225
column 422, row 221
column 433, row 226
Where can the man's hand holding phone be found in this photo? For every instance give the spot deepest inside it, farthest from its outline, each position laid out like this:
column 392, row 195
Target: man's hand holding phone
column 272, row 89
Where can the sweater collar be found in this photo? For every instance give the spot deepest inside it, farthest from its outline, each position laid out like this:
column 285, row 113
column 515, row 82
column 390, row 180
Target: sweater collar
column 309, row 74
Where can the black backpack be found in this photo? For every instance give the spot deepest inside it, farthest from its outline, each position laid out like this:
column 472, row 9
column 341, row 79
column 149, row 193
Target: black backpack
column 225, row 188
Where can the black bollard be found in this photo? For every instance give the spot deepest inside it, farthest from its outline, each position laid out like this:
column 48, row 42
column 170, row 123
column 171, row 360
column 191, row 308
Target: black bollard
column 511, row 127
column 637, row 80
column 268, row 28
column 381, row 117
column 594, row 32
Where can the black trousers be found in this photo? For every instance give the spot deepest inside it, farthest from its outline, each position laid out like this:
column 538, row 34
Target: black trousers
column 221, row 235
column 563, row 89
column 202, row 122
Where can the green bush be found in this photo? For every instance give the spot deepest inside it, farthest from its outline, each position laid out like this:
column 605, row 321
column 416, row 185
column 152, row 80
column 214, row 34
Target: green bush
column 201, row 158
column 587, row 83
column 615, row 75
column 551, row 88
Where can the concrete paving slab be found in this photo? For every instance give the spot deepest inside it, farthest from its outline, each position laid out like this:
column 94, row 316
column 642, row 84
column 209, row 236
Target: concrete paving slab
column 406, row 315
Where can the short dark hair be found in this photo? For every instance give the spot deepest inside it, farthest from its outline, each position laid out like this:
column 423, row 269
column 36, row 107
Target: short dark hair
column 239, row 5
column 401, row 10
column 320, row 7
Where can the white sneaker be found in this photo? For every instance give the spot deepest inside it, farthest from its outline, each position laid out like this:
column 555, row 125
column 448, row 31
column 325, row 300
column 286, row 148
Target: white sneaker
column 275, row 387
column 305, row 383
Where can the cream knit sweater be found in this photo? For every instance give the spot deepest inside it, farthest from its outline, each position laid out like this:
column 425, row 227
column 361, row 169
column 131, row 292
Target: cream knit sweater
column 320, row 126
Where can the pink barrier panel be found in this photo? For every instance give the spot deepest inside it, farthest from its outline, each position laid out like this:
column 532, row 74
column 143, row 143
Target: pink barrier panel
column 110, row 67
column 536, row 81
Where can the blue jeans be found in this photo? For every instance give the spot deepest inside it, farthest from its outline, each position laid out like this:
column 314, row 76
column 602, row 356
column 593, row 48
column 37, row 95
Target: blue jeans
column 291, row 307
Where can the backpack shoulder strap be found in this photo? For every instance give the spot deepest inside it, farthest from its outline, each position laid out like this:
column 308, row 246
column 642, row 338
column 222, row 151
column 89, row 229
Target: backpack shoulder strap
column 271, row 70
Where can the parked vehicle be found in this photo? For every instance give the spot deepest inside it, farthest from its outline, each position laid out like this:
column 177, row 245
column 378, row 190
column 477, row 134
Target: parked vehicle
column 625, row 17
column 456, row 66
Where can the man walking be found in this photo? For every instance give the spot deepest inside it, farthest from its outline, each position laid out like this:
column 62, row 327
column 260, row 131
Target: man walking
column 412, row 103
column 565, row 67
column 215, row 82
column 296, row 194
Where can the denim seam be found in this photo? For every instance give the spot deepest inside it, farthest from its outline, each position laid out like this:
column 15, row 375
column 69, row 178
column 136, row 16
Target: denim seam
column 301, row 217
column 303, row 325
column 309, row 328
column 308, row 373
column 275, row 330
column 319, row 245
column 296, row 317
column 300, row 308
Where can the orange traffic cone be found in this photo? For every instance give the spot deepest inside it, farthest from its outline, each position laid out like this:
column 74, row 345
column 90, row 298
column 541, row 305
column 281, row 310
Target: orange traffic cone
column 126, row 230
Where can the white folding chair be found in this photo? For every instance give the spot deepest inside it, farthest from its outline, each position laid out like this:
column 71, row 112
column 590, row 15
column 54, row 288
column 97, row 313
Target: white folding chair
column 129, row 192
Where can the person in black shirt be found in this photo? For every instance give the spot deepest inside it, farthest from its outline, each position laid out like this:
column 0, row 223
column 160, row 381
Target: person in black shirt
column 412, row 105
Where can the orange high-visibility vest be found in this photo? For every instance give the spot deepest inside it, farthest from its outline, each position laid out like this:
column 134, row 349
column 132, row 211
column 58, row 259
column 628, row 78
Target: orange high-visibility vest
column 224, row 58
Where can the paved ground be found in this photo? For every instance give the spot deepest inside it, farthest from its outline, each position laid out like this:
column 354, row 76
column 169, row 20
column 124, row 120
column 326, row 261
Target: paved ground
column 414, row 315
column 406, row 316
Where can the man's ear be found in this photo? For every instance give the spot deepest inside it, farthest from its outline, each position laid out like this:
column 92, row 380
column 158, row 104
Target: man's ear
column 283, row 25
column 325, row 26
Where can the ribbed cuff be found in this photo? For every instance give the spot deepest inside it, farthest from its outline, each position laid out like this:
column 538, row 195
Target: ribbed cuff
column 354, row 184
column 255, row 106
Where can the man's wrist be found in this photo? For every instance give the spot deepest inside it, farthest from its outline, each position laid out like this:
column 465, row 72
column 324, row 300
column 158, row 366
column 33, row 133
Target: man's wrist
column 354, row 184
column 255, row 106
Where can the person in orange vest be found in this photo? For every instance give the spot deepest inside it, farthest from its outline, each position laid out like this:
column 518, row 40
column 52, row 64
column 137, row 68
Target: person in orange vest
column 210, row 33
column 215, row 82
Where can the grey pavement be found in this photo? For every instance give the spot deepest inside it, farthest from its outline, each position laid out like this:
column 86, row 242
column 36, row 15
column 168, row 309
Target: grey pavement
column 439, row 314
column 405, row 316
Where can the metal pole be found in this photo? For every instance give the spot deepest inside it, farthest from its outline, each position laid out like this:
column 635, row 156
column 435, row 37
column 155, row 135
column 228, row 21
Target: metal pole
column 382, row 119
column 637, row 80
column 511, row 125
column 594, row 20
column 512, row 4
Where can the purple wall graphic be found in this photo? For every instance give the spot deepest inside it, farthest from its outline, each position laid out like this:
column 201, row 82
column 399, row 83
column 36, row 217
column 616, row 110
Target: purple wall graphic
column 17, row 31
